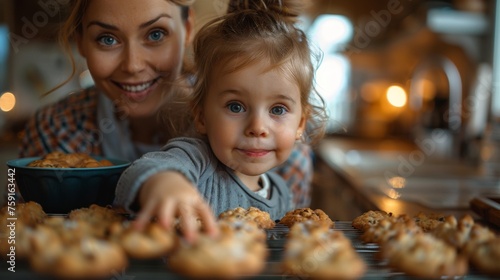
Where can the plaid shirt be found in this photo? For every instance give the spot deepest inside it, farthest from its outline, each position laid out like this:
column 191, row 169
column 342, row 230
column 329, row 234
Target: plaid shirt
column 297, row 171
column 71, row 125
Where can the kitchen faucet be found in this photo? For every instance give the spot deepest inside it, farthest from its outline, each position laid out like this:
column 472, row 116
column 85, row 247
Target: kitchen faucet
column 443, row 125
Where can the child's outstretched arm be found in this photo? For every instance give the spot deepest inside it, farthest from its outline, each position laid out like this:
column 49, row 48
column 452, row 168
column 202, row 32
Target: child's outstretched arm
column 169, row 195
column 163, row 184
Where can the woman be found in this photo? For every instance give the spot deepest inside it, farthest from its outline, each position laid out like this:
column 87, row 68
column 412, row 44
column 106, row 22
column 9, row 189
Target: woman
column 135, row 53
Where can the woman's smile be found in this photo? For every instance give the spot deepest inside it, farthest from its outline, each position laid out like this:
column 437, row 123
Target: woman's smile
column 137, row 91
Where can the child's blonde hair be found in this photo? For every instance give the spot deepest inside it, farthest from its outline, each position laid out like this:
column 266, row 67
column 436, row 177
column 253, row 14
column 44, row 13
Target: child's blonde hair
column 259, row 30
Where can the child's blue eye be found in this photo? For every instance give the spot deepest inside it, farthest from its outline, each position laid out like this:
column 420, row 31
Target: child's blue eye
column 156, row 35
column 235, row 107
column 278, row 110
column 107, row 40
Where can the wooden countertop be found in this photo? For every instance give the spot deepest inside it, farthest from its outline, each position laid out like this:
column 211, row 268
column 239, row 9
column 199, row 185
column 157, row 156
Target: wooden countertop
column 399, row 177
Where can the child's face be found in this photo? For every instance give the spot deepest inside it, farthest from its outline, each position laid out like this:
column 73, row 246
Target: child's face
column 131, row 47
column 252, row 118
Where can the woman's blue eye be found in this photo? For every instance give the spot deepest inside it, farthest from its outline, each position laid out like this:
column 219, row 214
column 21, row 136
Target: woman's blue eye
column 156, row 35
column 278, row 110
column 235, row 107
column 107, row 40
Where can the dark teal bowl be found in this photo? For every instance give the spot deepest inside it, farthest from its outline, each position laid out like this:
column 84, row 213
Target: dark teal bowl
column 60, row 190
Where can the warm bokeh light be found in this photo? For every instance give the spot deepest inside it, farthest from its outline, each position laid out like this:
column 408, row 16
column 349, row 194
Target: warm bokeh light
column 7, row 101
column 397, row 182
column 392, row 193
column 396, row 96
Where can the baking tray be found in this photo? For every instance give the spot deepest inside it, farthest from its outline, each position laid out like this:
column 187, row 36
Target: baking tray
column 157, row 268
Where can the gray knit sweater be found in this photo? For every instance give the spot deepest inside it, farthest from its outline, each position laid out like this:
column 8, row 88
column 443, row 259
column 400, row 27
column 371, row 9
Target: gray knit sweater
column 218, row 184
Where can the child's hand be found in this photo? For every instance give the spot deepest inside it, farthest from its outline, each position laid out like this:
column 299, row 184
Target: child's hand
column 169, row 195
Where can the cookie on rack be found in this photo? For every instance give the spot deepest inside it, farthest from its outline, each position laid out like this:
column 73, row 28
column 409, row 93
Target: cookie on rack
column 388, row 227
column 306, row 214
column 29, row 213
column 478, row 235
column 91, row 258
column 262, row 218
column 152, row 242
column 316, row 251
column 100, row 217
column 454, row 232
column 69, row 231
column 16, row 225
column 21, row 237
column 240, row 249
column 429, row 221
column 485, row 256
column 95, row 214
column 483, row 249
column 369, row 219
column 46, row 247
column 85, row 258
column 423, row 255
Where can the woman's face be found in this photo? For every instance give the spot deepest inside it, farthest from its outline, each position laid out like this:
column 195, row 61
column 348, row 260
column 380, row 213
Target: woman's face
column 134, row 50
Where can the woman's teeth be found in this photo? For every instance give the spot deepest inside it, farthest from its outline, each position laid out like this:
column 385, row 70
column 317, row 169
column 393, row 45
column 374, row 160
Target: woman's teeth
column 137, row 88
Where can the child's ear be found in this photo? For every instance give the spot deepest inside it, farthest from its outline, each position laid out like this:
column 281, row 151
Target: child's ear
column 199, row 121
column 301, row 128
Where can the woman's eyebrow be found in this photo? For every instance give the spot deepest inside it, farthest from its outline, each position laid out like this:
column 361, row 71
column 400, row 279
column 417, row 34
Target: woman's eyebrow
column 112, row 27
column 149, row 22
column 102, row 24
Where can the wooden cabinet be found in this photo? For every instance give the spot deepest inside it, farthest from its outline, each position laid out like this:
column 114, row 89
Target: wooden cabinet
column 335, row 195
column 35, row 20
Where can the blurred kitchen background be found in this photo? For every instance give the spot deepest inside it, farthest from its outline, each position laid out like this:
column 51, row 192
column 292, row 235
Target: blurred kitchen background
column 396, row 75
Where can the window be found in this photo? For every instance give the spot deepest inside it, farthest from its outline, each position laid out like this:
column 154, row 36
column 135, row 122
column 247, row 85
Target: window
column 328, row 35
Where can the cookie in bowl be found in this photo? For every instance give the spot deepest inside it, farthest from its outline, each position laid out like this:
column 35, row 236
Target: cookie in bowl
column 73, row 160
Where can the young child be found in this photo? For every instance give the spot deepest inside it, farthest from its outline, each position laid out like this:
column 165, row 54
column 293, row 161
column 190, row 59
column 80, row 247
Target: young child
column 252, row 100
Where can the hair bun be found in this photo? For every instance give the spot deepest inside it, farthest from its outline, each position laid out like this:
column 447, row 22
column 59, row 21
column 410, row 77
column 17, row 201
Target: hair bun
column 290, row 9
